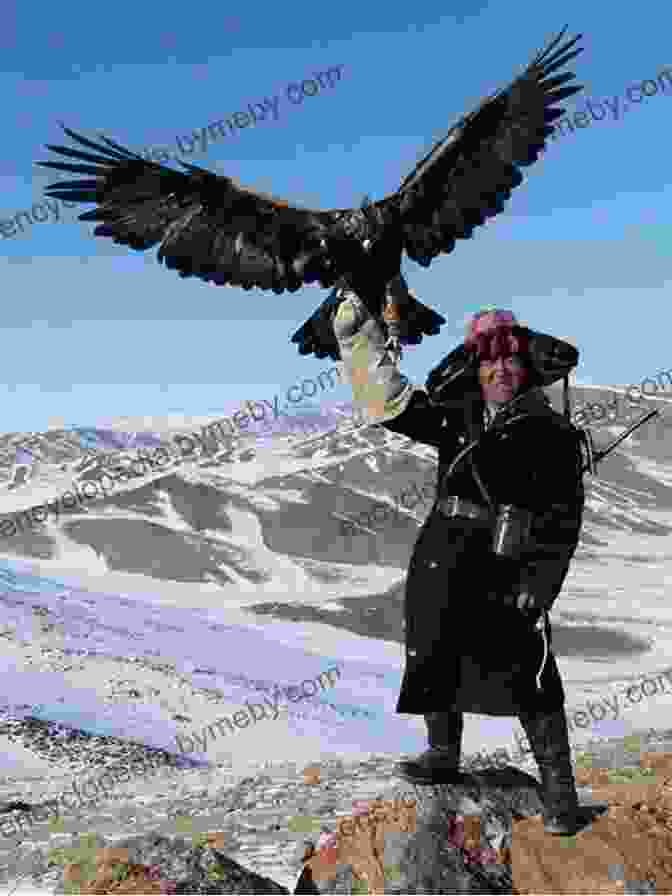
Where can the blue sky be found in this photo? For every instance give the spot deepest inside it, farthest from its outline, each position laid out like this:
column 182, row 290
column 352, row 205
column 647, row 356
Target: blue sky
column 94, row 331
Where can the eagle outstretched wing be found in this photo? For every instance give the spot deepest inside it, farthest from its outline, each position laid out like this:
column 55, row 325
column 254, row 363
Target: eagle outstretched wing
column 468, row 175
column 208, row 226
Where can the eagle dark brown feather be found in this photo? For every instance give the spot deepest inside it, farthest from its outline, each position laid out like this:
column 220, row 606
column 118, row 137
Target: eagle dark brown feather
column 210, row 227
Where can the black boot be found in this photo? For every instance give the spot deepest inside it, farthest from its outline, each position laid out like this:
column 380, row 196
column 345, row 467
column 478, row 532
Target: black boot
column 439, row 764
column 549, row 740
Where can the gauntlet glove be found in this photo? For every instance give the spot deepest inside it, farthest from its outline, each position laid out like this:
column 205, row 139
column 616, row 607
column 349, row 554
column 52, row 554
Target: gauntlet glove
column 379, row 390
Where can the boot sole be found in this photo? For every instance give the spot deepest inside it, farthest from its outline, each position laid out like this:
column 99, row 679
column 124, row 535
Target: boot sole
column 567, row 826
column 435, row 776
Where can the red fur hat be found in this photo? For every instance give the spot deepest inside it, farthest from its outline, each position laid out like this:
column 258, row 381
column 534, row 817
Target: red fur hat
column 494, row 333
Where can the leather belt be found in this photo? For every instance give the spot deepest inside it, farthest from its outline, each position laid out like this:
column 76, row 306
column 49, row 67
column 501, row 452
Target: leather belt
column 452, row 506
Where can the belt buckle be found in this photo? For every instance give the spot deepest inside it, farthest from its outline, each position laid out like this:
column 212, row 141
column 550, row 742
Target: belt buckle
column 456, row 507
column 463, row 508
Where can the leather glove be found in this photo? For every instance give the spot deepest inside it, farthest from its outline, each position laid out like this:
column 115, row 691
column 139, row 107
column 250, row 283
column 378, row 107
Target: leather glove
column 378, row 387
column 527, row 600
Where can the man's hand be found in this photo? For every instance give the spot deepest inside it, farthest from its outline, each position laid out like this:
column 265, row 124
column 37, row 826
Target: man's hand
column 539, row 582
column 531, row 592
column 528, row 601
column 525, row 600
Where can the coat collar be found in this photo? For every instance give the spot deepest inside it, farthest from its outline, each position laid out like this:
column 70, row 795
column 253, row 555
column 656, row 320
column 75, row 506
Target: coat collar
column 531, row 403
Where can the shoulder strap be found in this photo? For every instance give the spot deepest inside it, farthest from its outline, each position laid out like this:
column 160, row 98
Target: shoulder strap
column 567, row 410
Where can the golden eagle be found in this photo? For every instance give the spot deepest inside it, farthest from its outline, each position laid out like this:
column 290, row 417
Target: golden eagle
column 210, row 227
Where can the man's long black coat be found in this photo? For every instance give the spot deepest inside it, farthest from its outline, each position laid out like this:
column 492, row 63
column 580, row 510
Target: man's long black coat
column 466, row 648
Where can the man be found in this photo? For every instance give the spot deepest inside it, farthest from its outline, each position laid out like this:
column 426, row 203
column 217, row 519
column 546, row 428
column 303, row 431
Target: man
column 492, row 556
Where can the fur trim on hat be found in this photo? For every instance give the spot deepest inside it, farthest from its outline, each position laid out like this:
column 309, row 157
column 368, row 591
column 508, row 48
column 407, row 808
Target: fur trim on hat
column 486, row 321
column 494, row 333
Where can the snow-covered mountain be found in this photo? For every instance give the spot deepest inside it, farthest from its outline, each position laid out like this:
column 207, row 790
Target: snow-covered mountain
column 261, row 517
column 241, row 548
column 270, row 488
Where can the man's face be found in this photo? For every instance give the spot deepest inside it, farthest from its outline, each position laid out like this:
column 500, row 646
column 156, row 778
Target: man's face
column 502, row 379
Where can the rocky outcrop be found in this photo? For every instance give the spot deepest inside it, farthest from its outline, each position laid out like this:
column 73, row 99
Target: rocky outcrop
column 486, row 836
column 626, row 850
column 443, row 839
column 155, row 864
column 483, row 834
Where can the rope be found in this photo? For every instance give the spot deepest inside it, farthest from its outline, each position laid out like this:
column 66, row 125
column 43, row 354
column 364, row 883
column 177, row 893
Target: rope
column 541, row 626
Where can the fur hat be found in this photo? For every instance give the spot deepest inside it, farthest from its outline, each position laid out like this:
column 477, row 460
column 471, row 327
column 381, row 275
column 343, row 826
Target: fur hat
column 490, row 334
column 494, row 333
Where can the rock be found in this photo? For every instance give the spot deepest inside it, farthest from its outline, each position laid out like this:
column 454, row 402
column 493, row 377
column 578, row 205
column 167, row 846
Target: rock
column 612, row 855
column 485, row 834
column 311, row 774
column 442, row 839
column 152, row 863
column 626, row 850
column 305, row 884
column 480, row 834
column 16, row 806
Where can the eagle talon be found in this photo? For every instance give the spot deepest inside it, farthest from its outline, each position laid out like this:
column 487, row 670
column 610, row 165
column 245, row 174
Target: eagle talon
column 393, row 346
